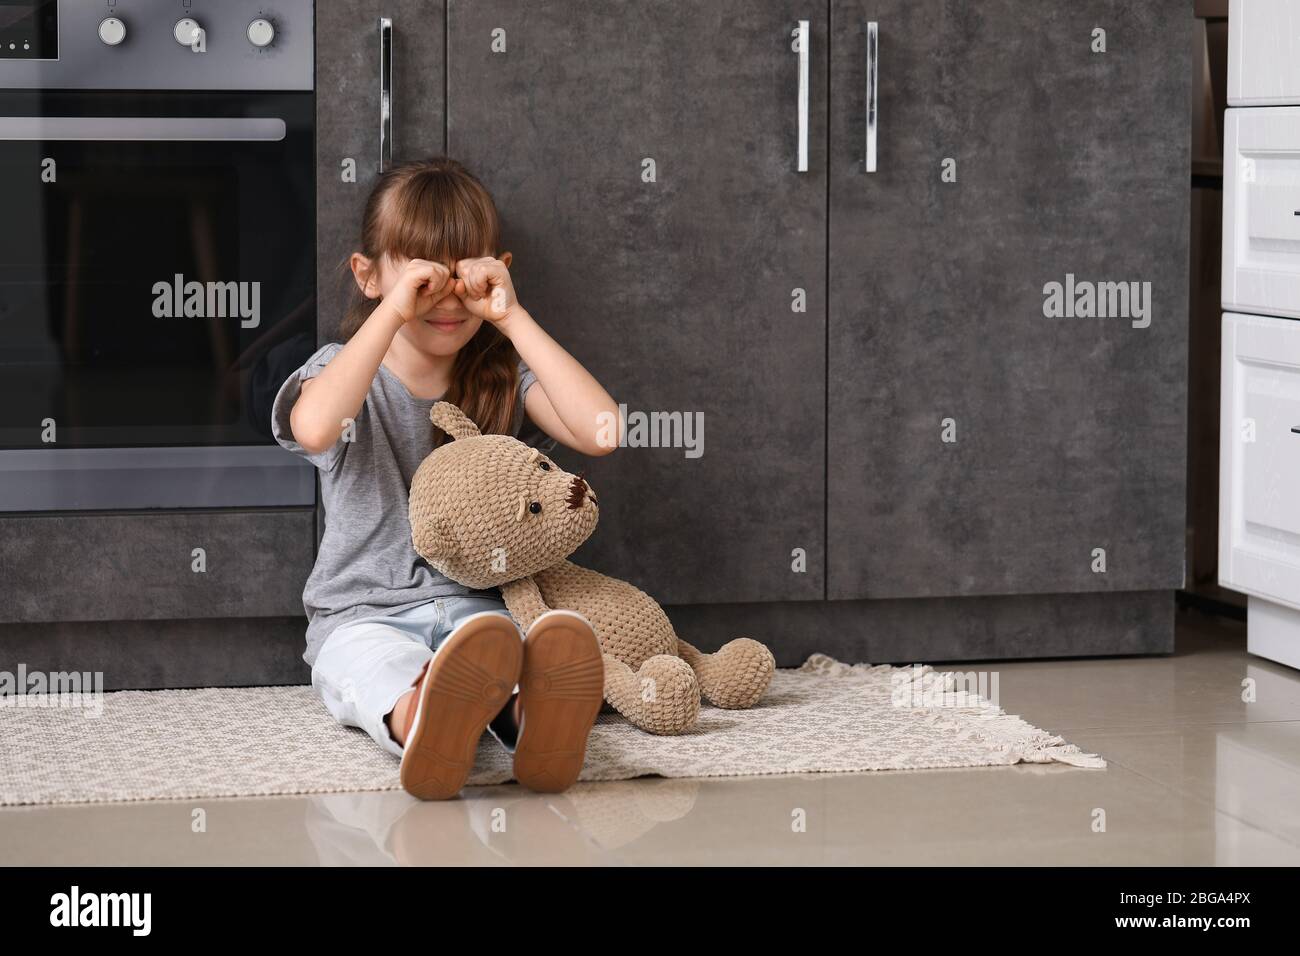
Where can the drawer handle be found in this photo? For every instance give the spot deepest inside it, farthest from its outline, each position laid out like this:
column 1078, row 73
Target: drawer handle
column 1296, row 429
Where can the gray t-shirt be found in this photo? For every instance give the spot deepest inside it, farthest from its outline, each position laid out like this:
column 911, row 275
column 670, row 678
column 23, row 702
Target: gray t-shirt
column 366, row 564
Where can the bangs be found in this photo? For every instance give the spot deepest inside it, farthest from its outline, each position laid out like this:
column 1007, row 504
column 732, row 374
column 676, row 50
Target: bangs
column 437, row 217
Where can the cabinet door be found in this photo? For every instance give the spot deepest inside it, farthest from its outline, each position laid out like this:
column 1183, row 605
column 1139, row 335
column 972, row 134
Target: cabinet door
column 348, row 121
column 643, row 156
column 977, row 445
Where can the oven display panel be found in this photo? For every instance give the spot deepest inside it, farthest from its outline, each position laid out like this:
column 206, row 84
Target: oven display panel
column 29, row 29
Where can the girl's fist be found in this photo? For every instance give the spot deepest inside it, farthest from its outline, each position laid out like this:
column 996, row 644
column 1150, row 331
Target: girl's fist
column 484, row 286
column 420, row 280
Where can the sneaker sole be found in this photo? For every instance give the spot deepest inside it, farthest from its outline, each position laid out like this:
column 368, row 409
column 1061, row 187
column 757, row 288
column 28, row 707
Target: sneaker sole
column 468, row 682
column 560, row 694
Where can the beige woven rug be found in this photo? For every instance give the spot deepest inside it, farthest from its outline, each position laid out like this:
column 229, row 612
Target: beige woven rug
column 822, row 717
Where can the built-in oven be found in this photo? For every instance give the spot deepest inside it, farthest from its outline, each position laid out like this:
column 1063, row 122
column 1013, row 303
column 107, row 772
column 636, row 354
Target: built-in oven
column 157, row 250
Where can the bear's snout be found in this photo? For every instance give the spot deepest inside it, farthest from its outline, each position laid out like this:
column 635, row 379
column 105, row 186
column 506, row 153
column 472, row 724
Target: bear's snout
column 577, row 492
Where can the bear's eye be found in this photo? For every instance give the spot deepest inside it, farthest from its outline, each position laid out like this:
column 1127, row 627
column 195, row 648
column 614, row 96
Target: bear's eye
column 535, row 507
column 545, row 465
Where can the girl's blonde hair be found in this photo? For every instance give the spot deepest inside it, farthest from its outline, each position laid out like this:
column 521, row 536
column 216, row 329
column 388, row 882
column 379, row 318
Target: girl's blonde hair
column 436, row 209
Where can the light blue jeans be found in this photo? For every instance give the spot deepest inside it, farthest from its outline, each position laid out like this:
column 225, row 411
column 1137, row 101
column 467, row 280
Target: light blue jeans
column 365, row 665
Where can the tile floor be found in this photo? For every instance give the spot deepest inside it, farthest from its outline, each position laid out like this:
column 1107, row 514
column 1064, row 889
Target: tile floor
column 1197, row 776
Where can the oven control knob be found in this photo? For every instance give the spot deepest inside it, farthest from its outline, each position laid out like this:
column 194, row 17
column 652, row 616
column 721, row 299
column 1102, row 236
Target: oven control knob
column 261, row 32
column 112, row 31
column 185, row 31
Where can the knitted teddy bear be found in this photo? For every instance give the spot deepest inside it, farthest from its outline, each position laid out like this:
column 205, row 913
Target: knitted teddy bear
column 489, row 511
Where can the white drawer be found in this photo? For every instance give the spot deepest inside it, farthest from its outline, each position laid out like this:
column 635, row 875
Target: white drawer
column 1261, row 210
column 1263, row 52
column 1259, row 458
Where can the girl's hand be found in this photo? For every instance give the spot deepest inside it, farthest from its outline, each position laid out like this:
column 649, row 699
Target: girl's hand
column 419, row 280
column 484, row 286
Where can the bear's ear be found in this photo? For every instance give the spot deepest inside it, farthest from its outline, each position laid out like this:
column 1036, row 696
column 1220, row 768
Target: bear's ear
column 432, row 541
column 453, row 421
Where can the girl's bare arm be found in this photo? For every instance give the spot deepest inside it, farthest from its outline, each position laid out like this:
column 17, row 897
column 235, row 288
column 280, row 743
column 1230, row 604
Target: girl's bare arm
column 567, row 402
column 337, row 393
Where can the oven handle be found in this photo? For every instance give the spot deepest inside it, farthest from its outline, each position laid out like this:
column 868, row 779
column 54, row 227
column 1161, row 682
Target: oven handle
column 140, row 128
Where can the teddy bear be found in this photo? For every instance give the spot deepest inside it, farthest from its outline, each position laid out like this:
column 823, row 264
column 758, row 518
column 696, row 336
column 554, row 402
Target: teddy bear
column 490, row 511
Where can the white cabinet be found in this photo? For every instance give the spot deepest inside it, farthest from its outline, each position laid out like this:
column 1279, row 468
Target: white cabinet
column 1261, row 210
column 1259, row 458
column 1259, row 425
column 1264, row 52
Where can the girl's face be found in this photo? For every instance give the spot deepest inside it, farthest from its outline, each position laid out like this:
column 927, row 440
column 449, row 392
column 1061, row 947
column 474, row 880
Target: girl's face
column 441, row 326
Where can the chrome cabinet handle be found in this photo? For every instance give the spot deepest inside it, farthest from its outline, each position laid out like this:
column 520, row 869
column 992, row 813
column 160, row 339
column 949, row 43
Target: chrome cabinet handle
column 385, row 93
column 804, row 41
column 873, row 88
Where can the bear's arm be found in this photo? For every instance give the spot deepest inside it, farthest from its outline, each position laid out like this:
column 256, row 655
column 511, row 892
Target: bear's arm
column 524, row 602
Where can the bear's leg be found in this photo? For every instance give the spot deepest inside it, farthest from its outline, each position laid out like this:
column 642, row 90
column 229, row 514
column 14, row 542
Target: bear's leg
column 662, row 697
column 735, row 676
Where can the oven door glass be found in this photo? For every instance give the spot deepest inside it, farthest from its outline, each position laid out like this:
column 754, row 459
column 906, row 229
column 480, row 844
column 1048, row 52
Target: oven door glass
column 157, row 267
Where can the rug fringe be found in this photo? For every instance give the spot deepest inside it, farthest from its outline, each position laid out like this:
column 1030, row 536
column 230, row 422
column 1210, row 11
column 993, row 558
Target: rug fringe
column 977, row 719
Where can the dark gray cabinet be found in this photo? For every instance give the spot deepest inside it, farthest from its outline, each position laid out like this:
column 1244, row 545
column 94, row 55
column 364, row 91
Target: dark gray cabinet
column 347, row 147
column 1069, row 431
column 348, row 120
column 643, row 156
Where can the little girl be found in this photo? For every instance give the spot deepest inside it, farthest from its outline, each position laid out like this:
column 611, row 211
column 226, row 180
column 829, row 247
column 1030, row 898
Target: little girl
column 421, row 663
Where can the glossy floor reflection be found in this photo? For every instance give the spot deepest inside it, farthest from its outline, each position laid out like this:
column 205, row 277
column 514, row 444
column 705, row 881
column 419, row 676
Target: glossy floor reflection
column 1197, row 775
